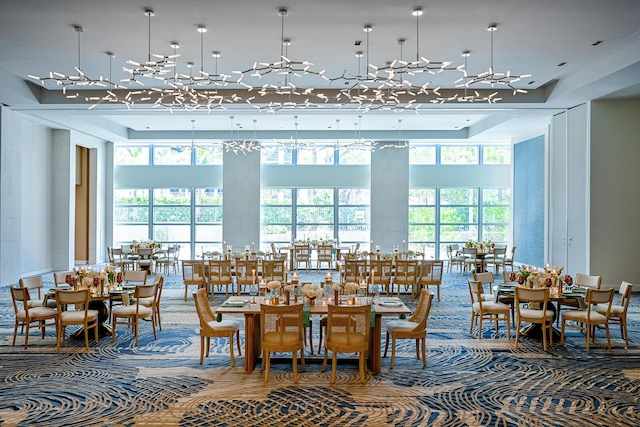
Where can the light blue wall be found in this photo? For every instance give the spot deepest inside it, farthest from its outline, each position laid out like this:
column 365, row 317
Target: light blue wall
column 528, row 201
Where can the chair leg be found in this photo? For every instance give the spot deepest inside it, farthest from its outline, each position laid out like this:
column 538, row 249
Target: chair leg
column 518, row 333
column 233, row 360
column 201, row 348
column 238, row 342
column 393, row 351
column 267, row 357
column 334, row 366
column 386, row 345
column 324, row 360
column 424, row 351
column 362, row 367
column 295, row 366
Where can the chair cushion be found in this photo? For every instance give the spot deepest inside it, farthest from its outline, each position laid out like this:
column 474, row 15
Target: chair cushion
column 281, row 338
column 342, row 338
column 400, row 325
column 581, row 316
column 37, row 312
column 616, row 310
column 130, row 310
column 230, row 325
column 530, row 313
column 75, row 317
column 490, row 306
column 147, row 301
column 488, row 297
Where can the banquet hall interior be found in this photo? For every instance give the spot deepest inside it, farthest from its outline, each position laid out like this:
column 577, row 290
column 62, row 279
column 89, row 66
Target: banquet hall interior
column 385, row 130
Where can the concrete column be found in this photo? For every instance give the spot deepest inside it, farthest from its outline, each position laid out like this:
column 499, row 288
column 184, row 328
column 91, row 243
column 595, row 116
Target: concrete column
column 241, row 199
column 64, row 181
column 389, row 196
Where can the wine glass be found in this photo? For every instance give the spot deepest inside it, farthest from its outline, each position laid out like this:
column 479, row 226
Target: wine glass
column 376, row 294
column 253, row 291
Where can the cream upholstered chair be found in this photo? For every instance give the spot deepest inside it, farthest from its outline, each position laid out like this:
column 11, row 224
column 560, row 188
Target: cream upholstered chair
column 132, row 314
column 471, row 261
column 118, row 259
column 486, row 310
column 325, row 255
column 130, row 278
column 586, row 320
column 193, row 275
column 301, row 255
column 348, row 329
column 220, row 275
column 30, row 317
column 497, row 258
column 430, row 275
column 82, row 315
column 509, row 260
column 35, row 282
column 618, row 313
column 454, row 259
column 170, row 259
column 540, row 297
column 210, row 328
column 584, row 281
column 406, row 274
column 154, row 301
column 60, row 277
column 246, row 273
column 281, row 330
column 145, row 259
column 486, row 279
column 414, row 328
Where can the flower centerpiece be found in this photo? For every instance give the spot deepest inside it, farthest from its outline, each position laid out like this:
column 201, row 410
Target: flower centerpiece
column 312, row 291
column 88, row 278
column 110, row 271
column 350, row 288
column 523, row 274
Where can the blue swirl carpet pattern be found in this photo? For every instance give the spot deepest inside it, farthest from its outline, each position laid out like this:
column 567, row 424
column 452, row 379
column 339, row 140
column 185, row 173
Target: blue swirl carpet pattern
column 467, row 382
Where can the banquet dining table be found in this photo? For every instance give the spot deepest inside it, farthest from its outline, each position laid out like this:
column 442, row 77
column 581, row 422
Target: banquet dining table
column 98, row 302
column 244, row 305
column 556, row 297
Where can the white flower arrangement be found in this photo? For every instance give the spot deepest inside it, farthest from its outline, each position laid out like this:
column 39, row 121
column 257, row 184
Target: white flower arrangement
column 273, row 285
column 351, row 287
column 311, row 290
column 289, row 288
column 387, row 255
column 336, row 287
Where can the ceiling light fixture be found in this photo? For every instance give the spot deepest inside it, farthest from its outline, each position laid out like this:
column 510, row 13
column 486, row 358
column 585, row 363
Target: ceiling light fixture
column 150, row 69
column 466, row 97
column 493, row 78
column 284, row 69
column 81, row 79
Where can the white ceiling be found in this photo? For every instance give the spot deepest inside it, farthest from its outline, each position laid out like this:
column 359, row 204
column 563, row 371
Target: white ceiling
column 37, row 36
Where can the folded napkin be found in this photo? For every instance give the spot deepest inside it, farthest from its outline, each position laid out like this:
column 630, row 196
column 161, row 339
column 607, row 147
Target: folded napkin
column 234, row 303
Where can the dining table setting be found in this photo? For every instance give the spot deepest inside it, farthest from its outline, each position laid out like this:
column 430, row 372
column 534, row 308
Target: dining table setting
column 249, row 306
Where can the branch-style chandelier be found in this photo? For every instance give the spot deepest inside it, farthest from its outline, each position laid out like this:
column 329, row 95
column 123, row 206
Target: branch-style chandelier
column 78, row 80
column 491, row 77
column 398, row 86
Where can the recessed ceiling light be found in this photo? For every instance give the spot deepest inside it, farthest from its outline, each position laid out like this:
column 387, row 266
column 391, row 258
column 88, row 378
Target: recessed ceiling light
column 531, row 82
column 562, row 64
column 596, row 43
column 358, row 42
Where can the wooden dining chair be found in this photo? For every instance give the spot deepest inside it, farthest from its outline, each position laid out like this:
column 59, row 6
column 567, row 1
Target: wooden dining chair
column 413, row 328
column 73, row 310
column 587, row 320
column 618, row 312
column 220, row 275
column 348, row 329
column 538, row 315
column 35, row 282
column 430, row 275
column 132, row 314
column 30, row 317
column 486, row 310
column 211, row 328
column 406, row 274
column 281, row 330
column 193, row 275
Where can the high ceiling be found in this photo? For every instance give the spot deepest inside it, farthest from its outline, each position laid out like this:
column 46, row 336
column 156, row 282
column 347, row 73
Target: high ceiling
column 597, row 41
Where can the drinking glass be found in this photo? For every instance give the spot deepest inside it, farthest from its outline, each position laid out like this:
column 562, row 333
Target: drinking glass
column 253, row 291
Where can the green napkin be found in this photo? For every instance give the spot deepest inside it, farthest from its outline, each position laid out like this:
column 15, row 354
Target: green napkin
column 372, row 322
column 306, row 313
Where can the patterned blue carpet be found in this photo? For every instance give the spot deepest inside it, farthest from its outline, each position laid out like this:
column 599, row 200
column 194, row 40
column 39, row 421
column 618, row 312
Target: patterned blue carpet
column 467, row 382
